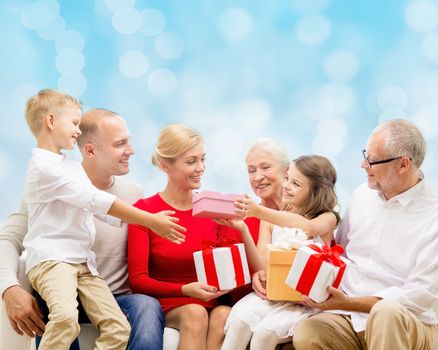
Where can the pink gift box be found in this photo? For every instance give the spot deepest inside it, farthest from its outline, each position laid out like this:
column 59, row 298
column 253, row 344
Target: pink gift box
column 223, row 267
column 214, row 205
column 315, row 268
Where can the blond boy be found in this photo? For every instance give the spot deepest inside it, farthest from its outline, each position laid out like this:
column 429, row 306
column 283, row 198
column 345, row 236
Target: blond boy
column 61, row 202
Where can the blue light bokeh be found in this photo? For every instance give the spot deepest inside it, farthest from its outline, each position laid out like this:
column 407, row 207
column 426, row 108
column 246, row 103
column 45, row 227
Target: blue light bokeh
column 317, row 75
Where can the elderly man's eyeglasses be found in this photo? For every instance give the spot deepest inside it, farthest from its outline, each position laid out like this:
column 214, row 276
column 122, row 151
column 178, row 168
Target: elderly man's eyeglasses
column 370, row 163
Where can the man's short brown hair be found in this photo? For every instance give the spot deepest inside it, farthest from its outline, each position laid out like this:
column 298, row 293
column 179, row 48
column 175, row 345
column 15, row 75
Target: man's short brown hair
column 89, row 125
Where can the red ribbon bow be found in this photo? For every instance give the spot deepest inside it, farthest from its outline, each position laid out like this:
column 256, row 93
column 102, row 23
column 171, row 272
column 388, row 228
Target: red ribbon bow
column 311, row 269
column 329, row 254
column 222, row 242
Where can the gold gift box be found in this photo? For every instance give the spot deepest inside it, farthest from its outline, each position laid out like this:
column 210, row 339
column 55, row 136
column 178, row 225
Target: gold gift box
column 278, row 265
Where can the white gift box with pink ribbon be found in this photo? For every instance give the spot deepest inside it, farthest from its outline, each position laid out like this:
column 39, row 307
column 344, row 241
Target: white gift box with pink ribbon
column 315, row 268
column 223, row 267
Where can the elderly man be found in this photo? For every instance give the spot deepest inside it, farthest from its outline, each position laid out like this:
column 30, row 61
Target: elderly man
column 106, row 149
column 390, row 235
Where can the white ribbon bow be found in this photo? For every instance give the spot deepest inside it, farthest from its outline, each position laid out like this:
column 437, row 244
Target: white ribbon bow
column 289, row 238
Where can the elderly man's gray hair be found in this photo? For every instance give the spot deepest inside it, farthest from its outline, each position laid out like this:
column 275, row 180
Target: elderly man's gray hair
column 403, row 139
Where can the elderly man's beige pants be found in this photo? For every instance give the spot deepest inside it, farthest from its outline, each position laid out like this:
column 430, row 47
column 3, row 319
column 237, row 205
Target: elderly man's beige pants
column 58, row 283
column 390, row 326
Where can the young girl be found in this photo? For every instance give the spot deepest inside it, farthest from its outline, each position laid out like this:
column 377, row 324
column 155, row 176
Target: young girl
column 309, row 203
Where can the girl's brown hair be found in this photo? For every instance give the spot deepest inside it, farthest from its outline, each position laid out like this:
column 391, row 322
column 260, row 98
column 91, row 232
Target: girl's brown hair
column 322, row 176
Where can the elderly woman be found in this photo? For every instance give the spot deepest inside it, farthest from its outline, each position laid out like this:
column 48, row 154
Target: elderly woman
column 267, row 162
column 165, row 270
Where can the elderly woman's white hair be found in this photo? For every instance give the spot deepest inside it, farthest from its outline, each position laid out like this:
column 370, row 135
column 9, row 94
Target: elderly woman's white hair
column 270, row 145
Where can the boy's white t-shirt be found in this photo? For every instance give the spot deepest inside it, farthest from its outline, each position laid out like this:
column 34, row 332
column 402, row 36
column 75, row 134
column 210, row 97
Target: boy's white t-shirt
column 61, row 204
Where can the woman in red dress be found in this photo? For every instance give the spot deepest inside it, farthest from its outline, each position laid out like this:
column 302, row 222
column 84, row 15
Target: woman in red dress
column 165, row 270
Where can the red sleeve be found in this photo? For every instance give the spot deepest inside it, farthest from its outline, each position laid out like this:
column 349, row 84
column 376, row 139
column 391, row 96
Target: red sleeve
column 138, row 257
column 253, row 227
column 226, row 232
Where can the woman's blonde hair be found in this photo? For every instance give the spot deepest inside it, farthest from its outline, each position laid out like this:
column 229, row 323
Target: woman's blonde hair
column 47, row 101
column 173, row 141
column 322, row 176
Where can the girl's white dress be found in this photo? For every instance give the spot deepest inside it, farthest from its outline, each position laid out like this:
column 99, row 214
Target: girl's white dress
column 277, row 316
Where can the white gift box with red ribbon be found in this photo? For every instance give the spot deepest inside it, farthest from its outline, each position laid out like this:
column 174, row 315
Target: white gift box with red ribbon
column 315, row 268
column 223, row 267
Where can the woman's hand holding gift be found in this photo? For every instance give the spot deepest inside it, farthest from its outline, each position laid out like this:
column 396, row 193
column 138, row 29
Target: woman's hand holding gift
column 201, row 291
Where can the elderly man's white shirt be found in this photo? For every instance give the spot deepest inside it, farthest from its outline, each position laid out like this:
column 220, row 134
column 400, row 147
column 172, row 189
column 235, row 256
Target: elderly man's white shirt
column 61, row 203
column 393, row 249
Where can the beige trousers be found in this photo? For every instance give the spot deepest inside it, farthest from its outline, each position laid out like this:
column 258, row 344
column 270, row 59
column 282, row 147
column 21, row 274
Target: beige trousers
column 59, row 283
column 390, row 326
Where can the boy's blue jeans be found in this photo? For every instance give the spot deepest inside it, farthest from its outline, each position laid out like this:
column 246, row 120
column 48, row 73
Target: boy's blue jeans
column 143, row 312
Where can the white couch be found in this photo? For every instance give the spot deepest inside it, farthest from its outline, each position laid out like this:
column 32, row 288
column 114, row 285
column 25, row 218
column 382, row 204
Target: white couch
column 9, row 340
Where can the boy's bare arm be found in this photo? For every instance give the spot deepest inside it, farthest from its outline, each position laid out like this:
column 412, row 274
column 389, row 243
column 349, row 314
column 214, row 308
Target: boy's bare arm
column 161, row 223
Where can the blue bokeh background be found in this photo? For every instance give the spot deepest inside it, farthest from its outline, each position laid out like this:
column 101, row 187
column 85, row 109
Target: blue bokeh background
column 317, row 75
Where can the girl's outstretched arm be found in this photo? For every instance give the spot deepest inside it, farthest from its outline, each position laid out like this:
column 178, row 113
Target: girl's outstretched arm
column 323, row 225
column 162, row 223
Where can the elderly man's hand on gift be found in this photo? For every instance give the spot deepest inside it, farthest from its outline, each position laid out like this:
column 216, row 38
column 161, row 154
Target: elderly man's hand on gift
column 338, row 300
column 259, row 283
column 202, row 291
